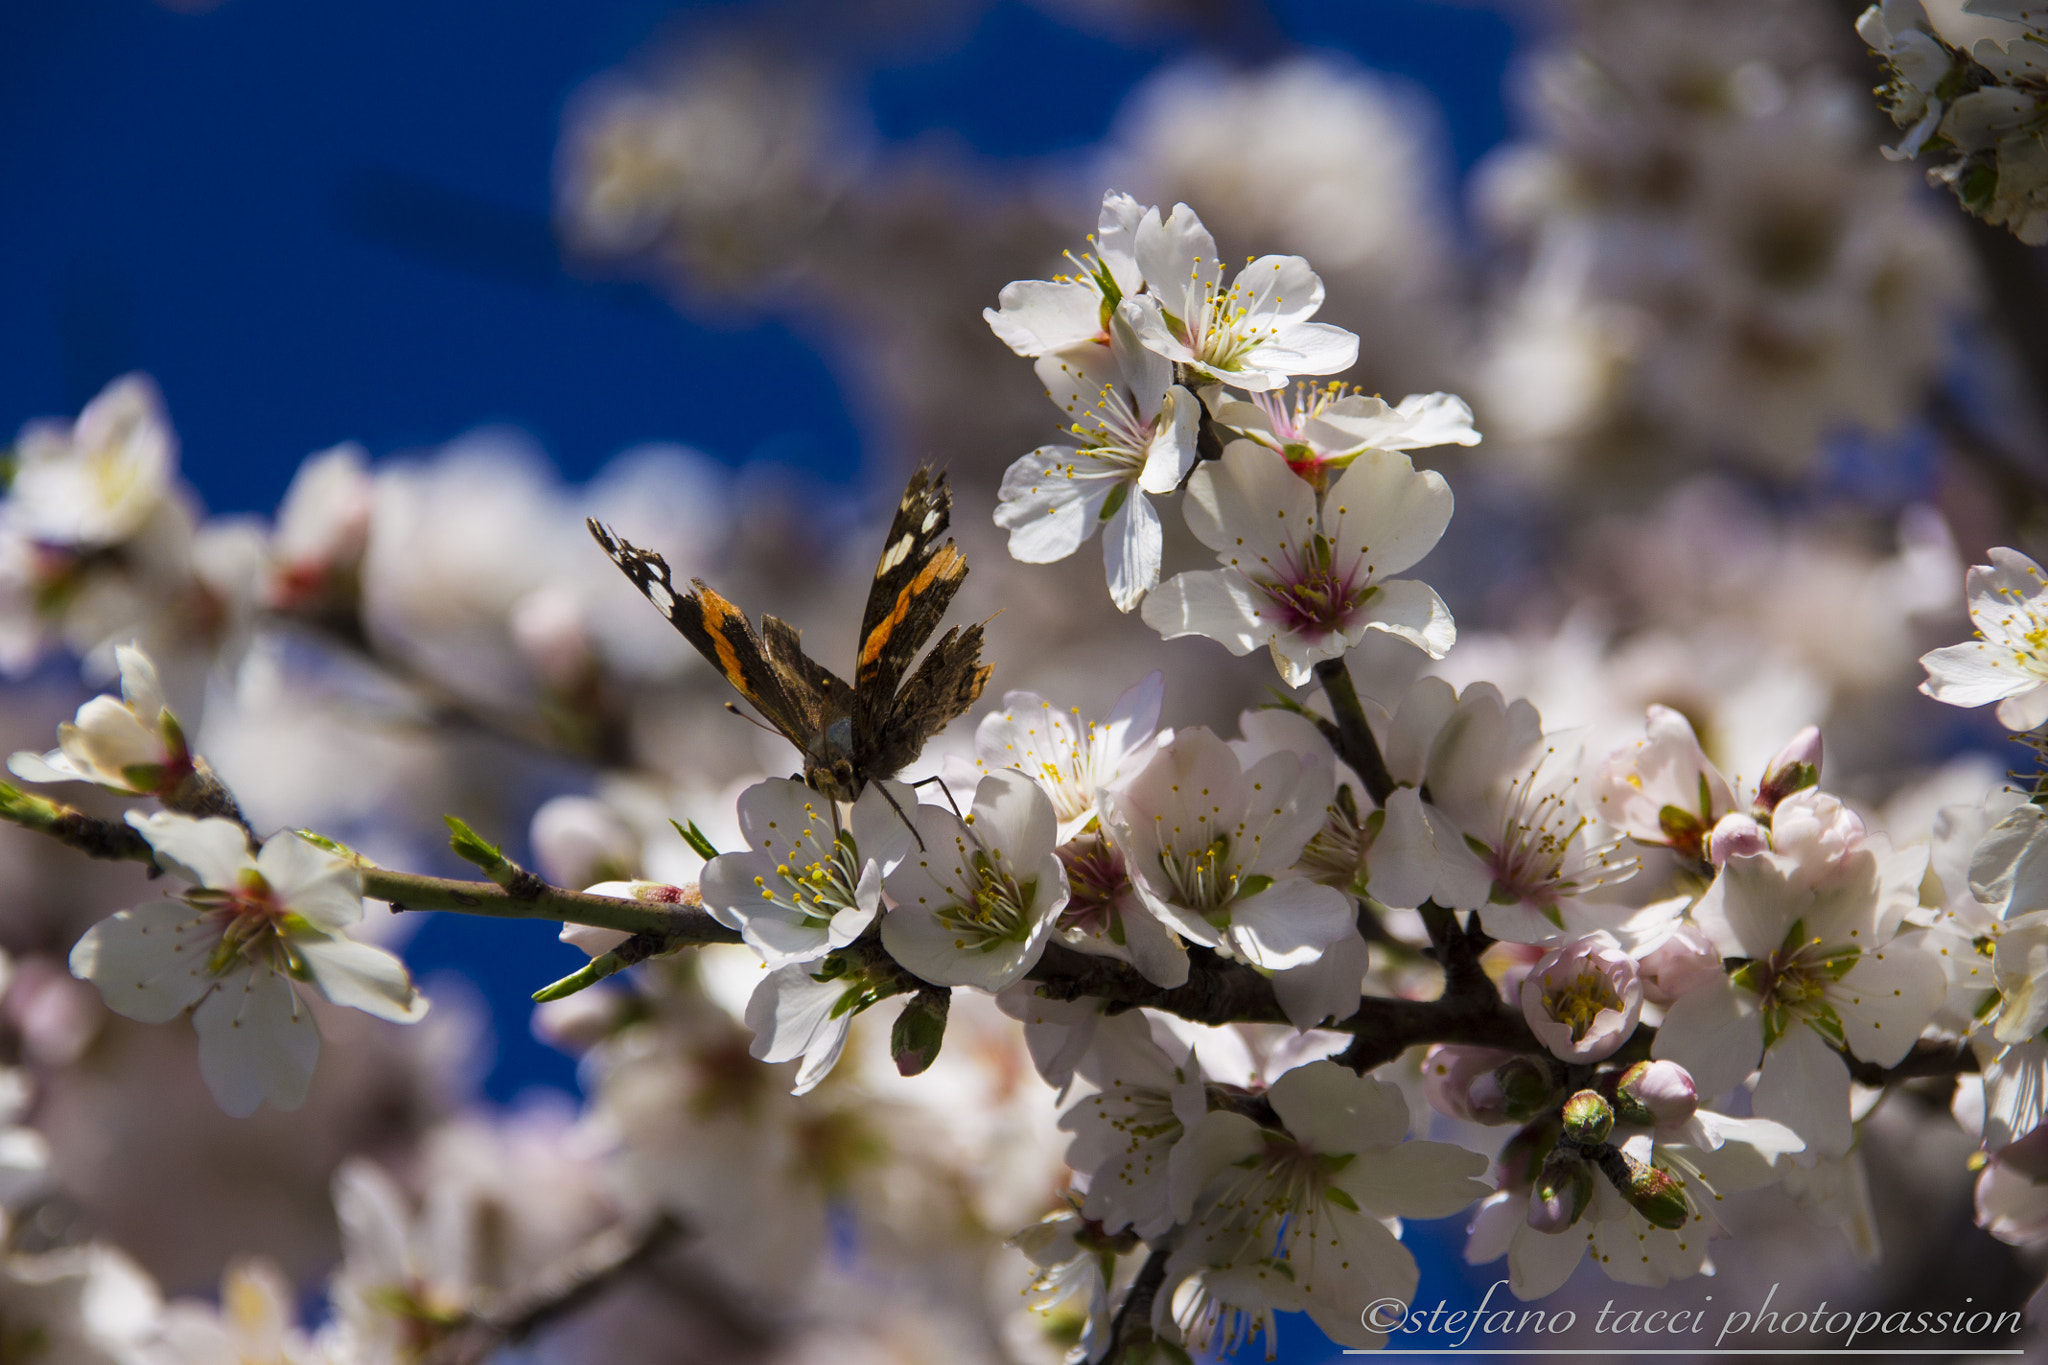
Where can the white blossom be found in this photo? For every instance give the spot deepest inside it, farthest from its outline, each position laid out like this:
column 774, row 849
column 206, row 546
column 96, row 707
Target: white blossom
column 974, row 905
column 1290, row 1218
column 233, row 949
column 1210, row 846
column 1304, row 579
column 96, row 481
column 1046, row 317
column 811, row 880
column 134, row 745
column 2009, row 662
column 1256, row 333
column 1134, row 430
column 1824, row 969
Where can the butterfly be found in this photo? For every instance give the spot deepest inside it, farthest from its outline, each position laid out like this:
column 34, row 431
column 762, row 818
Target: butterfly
column 849, row 735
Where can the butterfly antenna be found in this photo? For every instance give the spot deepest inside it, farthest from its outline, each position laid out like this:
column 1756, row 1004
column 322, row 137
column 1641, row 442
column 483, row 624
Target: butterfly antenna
column 883, row 787
column 944, row 790
column 734, row 708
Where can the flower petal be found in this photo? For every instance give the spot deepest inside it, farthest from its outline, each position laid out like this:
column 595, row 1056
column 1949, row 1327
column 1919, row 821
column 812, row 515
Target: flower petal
column 257, row 1041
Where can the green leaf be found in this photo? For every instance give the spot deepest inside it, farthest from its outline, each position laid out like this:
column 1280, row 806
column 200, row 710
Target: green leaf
column 694, row 837
column 471, row 847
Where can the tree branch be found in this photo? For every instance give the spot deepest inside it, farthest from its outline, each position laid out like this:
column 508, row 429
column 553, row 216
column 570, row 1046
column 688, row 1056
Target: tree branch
column 1355, row 744
column 557, row 1290
column 1132, row 1325
column 679, row 925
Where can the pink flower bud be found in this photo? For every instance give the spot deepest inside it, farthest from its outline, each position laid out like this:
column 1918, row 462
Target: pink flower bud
column 1459, row 1082
column 1736, row 836
column 1663, row 1089
column 1679, row 965
column 1560, row 1194
column 1795, row 768
column 1816, row 830
column 1583, row 999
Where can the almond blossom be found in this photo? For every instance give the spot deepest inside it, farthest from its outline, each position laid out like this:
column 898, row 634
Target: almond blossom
column 1290, row 1218
column 1256, row 333
column 811, row 880
column 96, row 481
column 1823, row 968
column 1506, row 829
column 1144, row 1101
column 974, row 905
column 1305, row 579
column 1210, row 845
column 233, row 950
column 1320, row 428
column 134, row 746
column 1046, row 317
column 1714, row 1155
column 1135, row 430
column 2008, row 663
column 1075, row 760
column 1583, row 998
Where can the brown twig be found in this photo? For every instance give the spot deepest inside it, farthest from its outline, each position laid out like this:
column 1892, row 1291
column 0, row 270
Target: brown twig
column 1355, row 744
column 559, row 1289
column 1132, row 1325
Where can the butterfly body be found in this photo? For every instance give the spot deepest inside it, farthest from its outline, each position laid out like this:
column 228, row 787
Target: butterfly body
column 850, row 734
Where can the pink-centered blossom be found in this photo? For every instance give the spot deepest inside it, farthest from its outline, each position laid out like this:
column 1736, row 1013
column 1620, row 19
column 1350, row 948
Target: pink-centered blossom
column 1306, row 578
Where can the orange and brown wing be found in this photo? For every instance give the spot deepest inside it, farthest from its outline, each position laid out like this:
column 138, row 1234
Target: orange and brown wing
column 785, row 693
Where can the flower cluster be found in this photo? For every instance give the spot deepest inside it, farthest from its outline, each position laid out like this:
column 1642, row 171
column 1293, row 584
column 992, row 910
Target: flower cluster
column 1968, row 86
column 1205, row 1010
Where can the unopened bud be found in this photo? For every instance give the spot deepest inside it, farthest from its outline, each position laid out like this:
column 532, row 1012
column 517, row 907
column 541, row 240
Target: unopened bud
column 1526, row 1088
column 1522, row 1155
column 1736, row 836
column 920, row 1029
column 1588, row 1119
column 1657, row 1195
column 1795, row 768
column 1682, row 962
column 1458, row 1082
column 1562, row 1191
column 1659, row 1093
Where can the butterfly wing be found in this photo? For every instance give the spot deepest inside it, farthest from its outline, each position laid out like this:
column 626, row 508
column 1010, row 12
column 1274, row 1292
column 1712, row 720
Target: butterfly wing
column 776, row 677
column 945, row 684
column 915, row 580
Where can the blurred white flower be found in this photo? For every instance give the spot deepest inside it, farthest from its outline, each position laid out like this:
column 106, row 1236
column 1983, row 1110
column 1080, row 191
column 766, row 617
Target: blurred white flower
column 96, row 481
column 134, row 745
column 231, row 950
